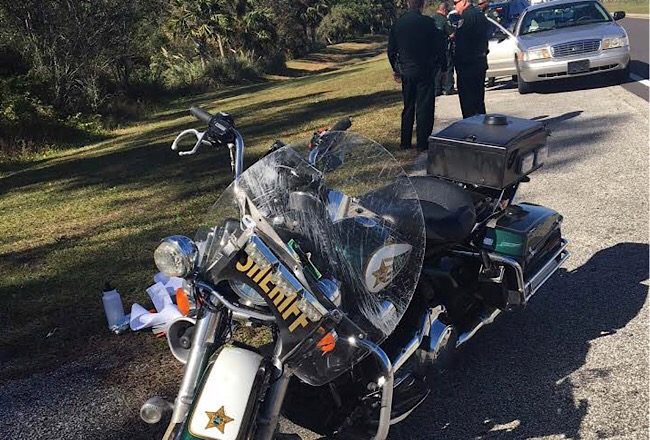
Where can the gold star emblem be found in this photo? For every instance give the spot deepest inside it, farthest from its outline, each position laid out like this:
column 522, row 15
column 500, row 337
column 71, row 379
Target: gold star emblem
column 383, row 273
column 218, row 419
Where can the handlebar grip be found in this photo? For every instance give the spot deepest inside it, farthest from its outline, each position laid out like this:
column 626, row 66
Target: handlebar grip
column 200, row 114
column 342, row 124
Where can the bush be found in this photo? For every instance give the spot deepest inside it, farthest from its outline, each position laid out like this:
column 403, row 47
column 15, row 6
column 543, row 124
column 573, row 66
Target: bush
column 352, row 18
column 12, row 62
column 339, row 25
column 27, row 125
column 234, row 69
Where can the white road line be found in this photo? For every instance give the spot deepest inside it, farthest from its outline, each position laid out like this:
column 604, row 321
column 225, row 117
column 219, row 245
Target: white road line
column 639, row 79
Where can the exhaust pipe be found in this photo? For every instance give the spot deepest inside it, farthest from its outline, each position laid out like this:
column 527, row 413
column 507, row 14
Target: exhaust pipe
column 154, row 409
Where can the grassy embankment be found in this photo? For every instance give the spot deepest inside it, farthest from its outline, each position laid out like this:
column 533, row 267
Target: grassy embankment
column 78, row 218
column 629, row 6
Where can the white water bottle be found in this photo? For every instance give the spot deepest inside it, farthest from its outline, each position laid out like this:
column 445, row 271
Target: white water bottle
column 113, row 307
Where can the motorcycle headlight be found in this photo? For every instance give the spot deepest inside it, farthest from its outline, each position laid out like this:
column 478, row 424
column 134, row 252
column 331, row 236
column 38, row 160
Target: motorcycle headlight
column 176, row 256
column 537, row 53
column 613, row 42
column 248, row 295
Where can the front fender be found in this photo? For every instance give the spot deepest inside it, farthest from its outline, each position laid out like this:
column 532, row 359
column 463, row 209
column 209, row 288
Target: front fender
column 227, row 397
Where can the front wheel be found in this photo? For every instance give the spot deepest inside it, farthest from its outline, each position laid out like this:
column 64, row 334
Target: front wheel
column 524, row 87
column 623, row 75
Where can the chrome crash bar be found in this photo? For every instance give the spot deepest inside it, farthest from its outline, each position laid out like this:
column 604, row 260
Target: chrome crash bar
column 386, row 385
column 527, row 288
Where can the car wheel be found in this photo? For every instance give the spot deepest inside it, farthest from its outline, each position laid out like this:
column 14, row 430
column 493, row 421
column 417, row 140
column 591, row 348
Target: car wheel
column 623, row 75
column 524, row 87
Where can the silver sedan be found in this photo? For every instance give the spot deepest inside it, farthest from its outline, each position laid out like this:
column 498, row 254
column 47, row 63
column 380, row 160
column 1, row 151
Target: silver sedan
column 559, row 39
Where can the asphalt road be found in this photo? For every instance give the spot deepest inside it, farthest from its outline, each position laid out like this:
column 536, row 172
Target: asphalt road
column 574, row 364
column 637, row 30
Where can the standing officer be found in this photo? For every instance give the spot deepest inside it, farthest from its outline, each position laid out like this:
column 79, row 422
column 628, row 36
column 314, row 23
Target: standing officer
column 470, row 58
column 415, row 50
column 445, row 75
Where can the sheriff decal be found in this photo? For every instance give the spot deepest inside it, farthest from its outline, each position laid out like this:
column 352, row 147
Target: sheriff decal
column 286, row 303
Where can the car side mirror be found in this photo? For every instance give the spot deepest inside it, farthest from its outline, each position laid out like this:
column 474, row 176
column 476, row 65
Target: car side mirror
column 618, row 15
column 455, row 20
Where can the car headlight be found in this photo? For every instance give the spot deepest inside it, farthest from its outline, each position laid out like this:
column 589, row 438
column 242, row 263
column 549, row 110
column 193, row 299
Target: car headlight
column 539, row 53
column 176, row 256
column 612, row 42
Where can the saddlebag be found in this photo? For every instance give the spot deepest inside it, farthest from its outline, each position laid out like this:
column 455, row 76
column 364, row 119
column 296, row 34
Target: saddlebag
column 488, row 150
column 527, row 233
column 525, row 246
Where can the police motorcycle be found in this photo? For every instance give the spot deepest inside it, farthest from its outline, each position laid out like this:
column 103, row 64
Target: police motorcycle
column 365, row 279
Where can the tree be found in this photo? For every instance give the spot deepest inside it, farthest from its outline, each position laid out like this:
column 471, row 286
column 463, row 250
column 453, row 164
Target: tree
column 313, row 14
column 77, row 47
column 202, row 21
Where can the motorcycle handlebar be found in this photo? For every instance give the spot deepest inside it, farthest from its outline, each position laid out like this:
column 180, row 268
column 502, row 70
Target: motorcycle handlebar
column 200, row 114
column 342, row 124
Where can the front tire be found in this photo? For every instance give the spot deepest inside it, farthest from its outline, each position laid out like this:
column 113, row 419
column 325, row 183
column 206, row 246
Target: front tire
column 524, row 87
column 623, row 75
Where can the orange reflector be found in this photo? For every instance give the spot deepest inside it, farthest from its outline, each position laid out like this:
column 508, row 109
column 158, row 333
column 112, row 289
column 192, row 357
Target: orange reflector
column 182, row 301
column 327, row 343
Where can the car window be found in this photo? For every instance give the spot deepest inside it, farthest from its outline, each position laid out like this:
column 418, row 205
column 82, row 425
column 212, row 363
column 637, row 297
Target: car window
column 499, row 12
column 496, row 33
column 561, row 16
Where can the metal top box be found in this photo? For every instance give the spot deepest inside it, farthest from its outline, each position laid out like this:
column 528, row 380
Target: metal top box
column 488, row 150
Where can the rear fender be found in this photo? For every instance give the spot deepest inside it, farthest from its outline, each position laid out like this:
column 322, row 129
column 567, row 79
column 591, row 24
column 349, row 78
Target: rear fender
column 226, row 401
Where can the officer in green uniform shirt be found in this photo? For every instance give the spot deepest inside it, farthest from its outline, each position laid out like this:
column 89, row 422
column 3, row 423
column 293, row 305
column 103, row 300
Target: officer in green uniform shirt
column 445, row 75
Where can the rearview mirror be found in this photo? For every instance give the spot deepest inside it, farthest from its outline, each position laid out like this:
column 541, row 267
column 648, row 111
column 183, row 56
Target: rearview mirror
column 618, row 15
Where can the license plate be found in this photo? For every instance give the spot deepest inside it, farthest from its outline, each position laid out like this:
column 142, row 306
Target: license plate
column 581, row 66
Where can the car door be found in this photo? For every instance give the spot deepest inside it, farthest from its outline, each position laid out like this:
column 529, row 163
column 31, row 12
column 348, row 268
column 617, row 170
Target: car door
column 502, row 46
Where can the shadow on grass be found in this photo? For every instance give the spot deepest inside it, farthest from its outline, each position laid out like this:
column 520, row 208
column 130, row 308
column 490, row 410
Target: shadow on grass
column 52, row 136
column 145, row 161
column 146, row 158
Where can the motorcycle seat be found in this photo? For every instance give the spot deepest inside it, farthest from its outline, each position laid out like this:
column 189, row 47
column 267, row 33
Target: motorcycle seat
column 448, row 210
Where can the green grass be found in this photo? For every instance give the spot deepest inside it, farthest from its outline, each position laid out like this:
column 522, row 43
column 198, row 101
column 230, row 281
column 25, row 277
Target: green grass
column 629, row 6
column 78, row 218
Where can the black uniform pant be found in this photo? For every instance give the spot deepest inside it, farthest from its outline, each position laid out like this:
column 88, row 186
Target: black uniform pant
column 471, row 87
column 419, row 100
column 445, row 76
